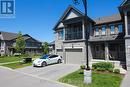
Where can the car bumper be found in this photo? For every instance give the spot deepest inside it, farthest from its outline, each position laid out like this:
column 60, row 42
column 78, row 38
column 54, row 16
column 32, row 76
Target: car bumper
column 37, row 64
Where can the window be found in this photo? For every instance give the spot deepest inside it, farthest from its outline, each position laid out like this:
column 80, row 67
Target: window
column 73, row 33
column 120, row 28
column 103, row 30
column 61, row 34
column 112, row 28
column 53, row 56
column 96, row 31
column 97, row 47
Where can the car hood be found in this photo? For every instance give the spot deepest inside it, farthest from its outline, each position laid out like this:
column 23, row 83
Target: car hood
column 39, row 60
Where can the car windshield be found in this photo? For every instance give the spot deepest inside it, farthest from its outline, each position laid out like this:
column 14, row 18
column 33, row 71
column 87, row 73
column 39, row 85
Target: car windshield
column 44, row 57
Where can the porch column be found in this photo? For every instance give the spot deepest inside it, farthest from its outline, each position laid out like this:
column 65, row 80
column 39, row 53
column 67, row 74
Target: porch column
column 126, row 23
column 83, row 29
column 106, row 51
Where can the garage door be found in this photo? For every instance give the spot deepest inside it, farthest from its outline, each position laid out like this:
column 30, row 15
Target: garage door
column 74, row 56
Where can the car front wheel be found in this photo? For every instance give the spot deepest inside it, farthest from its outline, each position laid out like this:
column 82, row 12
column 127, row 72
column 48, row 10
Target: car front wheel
column 59, row 61
column 44, row 64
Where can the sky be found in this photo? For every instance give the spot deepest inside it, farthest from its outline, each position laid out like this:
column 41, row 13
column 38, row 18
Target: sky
column 38, row 17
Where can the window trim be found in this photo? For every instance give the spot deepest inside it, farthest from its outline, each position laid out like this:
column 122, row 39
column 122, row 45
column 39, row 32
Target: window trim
column 96, row 32
column 118, row 27
column 112, row 33
column 103, row 33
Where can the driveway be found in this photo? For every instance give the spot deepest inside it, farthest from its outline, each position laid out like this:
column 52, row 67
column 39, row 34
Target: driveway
column 35, row 77
column 126, row 80
column 51, row 72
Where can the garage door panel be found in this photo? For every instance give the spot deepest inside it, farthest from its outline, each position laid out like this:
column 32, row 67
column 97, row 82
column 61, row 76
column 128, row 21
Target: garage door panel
column 74, row 56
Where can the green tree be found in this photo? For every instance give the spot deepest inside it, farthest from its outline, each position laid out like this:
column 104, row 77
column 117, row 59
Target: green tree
column 20, row 43
column 45, row 48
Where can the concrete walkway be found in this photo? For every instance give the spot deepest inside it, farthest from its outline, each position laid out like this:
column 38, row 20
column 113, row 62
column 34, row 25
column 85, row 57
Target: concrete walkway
column 11, row 78
column 126, row 80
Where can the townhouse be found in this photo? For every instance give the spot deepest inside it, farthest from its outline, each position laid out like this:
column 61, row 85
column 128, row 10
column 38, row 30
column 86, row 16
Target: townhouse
column 8, row 40
column 109, row 37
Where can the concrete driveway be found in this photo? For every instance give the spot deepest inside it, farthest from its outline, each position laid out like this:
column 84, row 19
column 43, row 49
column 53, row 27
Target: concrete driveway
column 35, row 77
column 51, row 72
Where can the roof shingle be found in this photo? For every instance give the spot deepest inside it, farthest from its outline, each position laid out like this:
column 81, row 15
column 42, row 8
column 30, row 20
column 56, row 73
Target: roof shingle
column 108, row 19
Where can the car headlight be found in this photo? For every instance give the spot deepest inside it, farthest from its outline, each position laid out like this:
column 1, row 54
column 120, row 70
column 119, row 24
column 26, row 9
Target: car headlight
column 39, row 61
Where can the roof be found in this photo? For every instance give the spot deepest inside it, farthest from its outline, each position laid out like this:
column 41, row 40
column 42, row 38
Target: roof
column 107, row 38
column 124, row 2
column 66, row 12
column 52, row 43
column 107, row 19
column 8, row 35
column 12, row 36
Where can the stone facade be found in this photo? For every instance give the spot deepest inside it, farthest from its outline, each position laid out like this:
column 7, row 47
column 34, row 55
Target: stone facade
column 109, row 37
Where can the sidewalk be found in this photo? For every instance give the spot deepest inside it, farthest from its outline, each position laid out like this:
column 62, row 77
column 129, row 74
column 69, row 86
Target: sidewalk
column 126, row 80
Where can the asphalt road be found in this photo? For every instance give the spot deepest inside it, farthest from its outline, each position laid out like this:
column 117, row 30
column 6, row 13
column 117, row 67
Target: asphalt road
column 35, row 77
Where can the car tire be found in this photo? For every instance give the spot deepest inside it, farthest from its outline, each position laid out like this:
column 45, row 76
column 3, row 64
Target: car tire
column 44, row 64
column 34, row 66
column 59, row 61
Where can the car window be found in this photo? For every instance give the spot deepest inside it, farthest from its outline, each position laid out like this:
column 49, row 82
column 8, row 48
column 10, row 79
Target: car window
column 53, row 56
column 44, row 57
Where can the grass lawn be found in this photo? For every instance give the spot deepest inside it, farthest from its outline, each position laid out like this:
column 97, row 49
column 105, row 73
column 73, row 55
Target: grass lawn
column 9, row 59
column 13, row 58
column 17, row 65
column 98, row 79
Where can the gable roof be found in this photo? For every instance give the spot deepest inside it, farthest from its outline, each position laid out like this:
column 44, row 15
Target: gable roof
column 124, row 2
column 12, row 36
column 8, row 35
column 70, row 8
column 108, row 19
column 65, row 13
column 52, row 43
column 26, row 37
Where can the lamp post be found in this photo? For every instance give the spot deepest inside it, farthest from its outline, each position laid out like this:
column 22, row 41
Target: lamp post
column 87, row 71
column 86, row 33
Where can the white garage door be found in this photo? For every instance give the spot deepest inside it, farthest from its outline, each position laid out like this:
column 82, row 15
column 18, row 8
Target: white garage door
column 74, row 56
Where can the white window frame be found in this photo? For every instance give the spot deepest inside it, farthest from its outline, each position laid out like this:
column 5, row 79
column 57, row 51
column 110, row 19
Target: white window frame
column 112, row 32
column 96, row 32
column 103, row 32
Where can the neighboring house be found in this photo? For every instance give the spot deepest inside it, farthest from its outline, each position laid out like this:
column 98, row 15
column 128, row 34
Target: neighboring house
column 8, row 41
column 109, row 38
column 52, row 47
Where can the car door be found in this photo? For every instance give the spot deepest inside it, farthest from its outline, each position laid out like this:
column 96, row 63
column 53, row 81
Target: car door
column 55, row 58
column 51, row 59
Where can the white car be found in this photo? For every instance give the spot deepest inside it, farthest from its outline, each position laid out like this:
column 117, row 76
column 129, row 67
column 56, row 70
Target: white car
column 47, row 59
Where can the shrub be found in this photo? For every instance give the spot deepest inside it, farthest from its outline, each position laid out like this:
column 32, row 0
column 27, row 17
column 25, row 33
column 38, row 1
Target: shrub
column 102, row 66
column 117, row 71
column 100, row 69
column 110, row 70
column 82, row 67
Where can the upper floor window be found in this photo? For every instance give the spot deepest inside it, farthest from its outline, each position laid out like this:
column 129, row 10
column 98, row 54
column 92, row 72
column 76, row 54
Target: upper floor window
column 73, row 33
column 61, row 34
column 103, row 30
column 96, row 31
column 120, row 28
column 112, row 28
